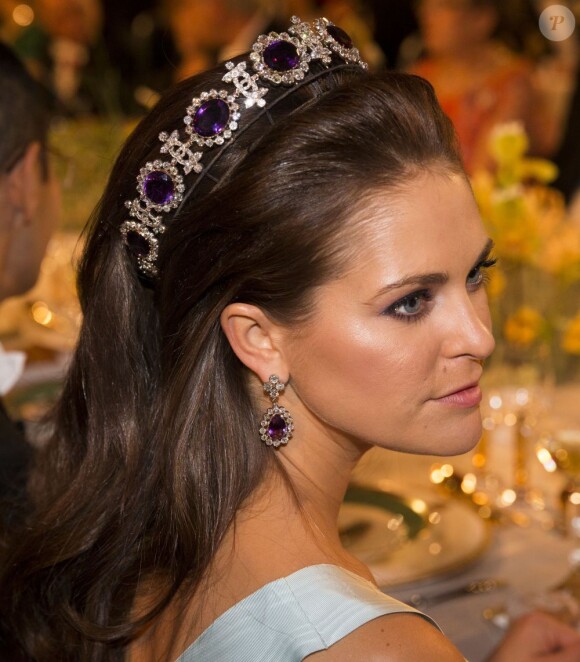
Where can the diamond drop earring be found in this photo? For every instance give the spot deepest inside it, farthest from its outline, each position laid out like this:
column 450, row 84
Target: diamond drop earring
column 277, row 426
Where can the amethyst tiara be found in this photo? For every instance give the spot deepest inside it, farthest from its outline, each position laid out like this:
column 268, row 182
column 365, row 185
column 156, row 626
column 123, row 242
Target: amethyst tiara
column 214, row 116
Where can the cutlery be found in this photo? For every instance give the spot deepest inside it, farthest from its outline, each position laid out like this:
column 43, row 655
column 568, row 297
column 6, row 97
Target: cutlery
column 558, row 602
column 479, row 586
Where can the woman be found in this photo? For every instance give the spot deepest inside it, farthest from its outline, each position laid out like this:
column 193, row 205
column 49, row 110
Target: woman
column 298, row 277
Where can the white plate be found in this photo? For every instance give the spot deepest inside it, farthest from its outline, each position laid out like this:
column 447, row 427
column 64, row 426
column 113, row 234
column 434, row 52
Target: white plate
column 384, row 531
column 454, row 539
column 454, row 536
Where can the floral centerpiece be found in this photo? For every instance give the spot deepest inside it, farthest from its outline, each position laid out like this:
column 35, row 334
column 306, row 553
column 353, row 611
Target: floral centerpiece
column 535, row 290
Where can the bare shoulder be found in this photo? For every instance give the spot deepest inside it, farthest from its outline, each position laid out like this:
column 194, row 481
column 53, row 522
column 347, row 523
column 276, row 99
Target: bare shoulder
column 392, row 638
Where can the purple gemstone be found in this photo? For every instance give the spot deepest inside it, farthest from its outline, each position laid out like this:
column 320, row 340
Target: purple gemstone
column 277, row 428
column 159, row 187
column 137, row 244
column 339, row 35
column 211, row 118
column 281, row 55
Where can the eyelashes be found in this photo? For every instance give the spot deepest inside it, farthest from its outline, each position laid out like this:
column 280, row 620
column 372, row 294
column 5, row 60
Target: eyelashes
column 412, row 307
column 415, row 306
column 480, row 274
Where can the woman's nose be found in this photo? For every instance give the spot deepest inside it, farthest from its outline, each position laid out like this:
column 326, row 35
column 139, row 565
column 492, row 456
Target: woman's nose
column 470, row 332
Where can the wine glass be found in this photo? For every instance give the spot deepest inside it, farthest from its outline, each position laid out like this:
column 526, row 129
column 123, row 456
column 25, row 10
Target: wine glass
column 510, row 418
column 558, row 449
column 498, row 482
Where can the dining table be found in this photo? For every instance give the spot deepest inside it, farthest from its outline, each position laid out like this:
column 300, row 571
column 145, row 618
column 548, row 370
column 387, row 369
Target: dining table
column 530, row 560
column 521, row 554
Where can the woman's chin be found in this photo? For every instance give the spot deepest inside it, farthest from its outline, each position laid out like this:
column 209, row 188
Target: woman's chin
column 463, row 439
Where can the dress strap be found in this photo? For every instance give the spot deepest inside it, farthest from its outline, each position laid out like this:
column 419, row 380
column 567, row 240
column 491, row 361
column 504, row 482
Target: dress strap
column 293, row 617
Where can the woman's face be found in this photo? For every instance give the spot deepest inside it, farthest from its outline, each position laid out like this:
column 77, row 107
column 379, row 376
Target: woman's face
column 394, row 351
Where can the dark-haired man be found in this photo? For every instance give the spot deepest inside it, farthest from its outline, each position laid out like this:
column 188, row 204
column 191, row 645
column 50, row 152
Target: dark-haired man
column 29, row 205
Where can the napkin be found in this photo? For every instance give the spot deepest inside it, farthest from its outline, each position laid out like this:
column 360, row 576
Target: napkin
column 11, row 367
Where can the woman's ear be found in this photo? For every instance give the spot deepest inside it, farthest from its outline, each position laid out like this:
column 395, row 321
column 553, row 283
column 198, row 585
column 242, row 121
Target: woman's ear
column 24, row 184
column 255, row 340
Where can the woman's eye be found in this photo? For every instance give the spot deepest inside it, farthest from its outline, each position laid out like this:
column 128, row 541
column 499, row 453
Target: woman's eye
column 411, row 306
column 479, row 274
column 475, row 276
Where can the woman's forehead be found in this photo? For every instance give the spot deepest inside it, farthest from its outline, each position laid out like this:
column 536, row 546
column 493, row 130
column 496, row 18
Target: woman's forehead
column 432, row 215
column 420, row 198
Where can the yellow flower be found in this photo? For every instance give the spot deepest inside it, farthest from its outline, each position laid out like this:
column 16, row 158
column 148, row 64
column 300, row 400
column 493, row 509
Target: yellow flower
column 571, row 338
column 539, row 247
column 561, row 253
column 515, row 245
column 523, row 327
column 508, row 142
column 540, row 170
column 510, row 226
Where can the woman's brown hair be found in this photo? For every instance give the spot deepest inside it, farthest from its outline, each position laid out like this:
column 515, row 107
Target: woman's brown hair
column 155, row 445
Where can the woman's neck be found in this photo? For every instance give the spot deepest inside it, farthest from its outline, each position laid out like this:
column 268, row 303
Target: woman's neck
column 291, row 518
column 288, row 523
column 300, row 500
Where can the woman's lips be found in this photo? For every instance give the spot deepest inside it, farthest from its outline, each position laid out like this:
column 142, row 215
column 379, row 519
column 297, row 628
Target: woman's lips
column 470, row 396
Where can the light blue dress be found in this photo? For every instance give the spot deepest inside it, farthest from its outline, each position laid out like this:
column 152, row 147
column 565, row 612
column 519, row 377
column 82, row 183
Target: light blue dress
column 292, row 617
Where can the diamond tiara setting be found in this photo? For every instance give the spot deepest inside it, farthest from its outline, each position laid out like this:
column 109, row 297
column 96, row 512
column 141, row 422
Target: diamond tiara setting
column 213, row 117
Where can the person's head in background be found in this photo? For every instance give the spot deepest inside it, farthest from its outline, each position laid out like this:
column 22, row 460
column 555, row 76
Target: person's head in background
column 29, row 192
column 450, row 28
column 201, row 29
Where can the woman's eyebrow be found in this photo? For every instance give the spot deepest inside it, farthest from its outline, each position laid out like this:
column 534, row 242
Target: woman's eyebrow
column 436, row 278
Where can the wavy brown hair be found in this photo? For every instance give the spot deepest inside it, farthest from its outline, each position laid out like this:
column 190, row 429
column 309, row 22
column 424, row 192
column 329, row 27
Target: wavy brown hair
column 155, row 445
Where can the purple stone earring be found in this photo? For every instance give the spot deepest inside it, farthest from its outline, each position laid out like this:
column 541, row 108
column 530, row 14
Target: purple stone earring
column 277, row 426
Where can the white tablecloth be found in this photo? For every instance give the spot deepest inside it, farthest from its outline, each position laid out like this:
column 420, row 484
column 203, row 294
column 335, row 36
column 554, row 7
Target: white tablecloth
column 530, row 558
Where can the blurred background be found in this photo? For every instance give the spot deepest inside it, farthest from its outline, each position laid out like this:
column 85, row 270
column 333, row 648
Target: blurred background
column 488, row 59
